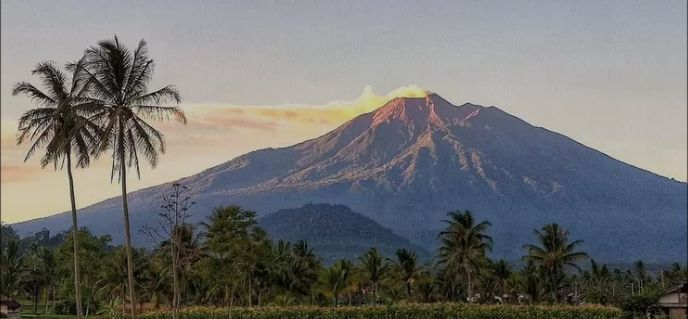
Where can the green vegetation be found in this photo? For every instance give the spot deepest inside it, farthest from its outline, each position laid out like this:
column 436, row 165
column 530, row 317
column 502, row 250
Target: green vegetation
column 336, row 232
column 229, row 262
column 415, row 311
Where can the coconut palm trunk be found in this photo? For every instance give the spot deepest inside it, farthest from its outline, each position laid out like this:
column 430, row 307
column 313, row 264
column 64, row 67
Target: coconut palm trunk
column 47, row 299
column 469, row 288
column 127, row 233
column 75, row 238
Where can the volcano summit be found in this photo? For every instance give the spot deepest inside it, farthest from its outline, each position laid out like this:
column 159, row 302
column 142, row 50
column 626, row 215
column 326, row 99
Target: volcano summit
column 408, row 163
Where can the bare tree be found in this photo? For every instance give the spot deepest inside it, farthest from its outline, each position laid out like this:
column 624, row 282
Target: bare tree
column 169, row 231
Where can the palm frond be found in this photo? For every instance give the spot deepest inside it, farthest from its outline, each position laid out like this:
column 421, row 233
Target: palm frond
column 36, row 95
column 53, row 79
column 160, row 113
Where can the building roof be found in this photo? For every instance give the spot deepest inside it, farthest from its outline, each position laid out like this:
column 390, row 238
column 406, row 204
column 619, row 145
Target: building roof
column 679, row 288
column 11, row 304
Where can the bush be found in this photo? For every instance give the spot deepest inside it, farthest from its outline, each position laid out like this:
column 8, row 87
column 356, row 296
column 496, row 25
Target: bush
column 640, row 305
column 410, row 311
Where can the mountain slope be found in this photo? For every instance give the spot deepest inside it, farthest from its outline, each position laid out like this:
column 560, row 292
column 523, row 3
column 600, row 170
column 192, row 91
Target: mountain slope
column 335, row 232
column 408, row 163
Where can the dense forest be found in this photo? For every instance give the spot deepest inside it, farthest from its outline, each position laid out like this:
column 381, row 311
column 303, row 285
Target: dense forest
column 230, row 261
column 335, row 232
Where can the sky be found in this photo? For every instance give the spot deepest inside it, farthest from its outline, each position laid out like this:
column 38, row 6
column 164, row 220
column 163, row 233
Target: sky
column 256, row 74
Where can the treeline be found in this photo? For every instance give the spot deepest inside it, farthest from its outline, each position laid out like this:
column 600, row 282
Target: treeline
column 229, row 261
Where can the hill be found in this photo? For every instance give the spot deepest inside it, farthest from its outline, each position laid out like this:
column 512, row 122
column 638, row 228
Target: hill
column 335, row 232
column 410, row 162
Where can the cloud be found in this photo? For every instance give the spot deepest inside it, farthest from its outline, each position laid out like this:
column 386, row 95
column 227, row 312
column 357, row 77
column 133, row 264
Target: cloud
column 219, row 129
column 231, row 120
column 272, row 116
column 17, row 173
column 8, row 133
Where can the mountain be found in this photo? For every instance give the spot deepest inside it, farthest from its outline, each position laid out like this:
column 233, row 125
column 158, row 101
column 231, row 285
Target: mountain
column 335, row 232
column 408, row 163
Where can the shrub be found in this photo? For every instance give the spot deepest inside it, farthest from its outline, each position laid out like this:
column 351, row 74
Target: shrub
column 639, row 305
column 409, row 311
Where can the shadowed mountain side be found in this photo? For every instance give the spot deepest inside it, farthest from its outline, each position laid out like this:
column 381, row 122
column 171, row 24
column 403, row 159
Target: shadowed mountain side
column 410, row 162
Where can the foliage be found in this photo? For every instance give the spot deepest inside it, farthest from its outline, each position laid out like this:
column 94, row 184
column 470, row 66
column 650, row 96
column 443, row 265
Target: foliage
column 640, row 304
column 464, row 245
column 554, row 254
column 410, row 311
column 335, row 232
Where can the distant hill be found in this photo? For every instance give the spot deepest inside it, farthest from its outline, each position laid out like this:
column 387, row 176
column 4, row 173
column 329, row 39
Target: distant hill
column 408, row 163
column 335, row 232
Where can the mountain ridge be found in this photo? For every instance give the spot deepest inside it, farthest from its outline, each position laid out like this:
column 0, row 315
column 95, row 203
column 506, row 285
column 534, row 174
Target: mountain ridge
column 409, row 162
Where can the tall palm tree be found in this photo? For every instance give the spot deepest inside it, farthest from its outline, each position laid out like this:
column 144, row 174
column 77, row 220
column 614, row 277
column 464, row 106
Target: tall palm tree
column 464, row 245
column 120, row 79
column 60, row 125
column 554, row 254
column 407, row 268
column 374, row 267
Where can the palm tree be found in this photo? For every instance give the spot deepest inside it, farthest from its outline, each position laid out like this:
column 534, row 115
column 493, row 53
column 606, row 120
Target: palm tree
column 33, row 281
column 113, row 281
column 60, row 125
column 157, row 286
column 304, row 267
column 676, row 274
column 48, row 271
column 427, row 288
column 464, row 245
column 407, row 268
column 335, row 280
column 120, row 80
column 530, row 281
column 185, row 251
column 502, row 272
column 641, row 274
column 374, row 267
column 554, row 254
column 12, row 266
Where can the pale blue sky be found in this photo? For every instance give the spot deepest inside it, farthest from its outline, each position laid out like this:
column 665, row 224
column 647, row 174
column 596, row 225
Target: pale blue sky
column 610, row 74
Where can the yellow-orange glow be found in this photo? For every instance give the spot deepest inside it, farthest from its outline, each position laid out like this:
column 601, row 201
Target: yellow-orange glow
column 409, row 91
column 271, row 117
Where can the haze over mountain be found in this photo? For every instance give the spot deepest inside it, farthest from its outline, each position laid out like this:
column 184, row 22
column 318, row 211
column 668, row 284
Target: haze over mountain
column 410, row 162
